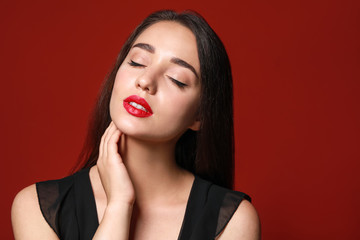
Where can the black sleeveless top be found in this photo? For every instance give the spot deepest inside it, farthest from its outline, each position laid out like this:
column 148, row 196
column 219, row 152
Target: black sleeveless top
column 68, row 205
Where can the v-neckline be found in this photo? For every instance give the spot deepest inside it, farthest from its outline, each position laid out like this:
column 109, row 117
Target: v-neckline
column 187, row 214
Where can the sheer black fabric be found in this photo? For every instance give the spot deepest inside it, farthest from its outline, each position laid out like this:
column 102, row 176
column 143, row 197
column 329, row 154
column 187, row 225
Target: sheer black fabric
column 68, row 205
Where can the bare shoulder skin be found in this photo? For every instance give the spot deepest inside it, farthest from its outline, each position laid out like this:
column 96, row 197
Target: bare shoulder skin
column 27, row 220
column 244, row 225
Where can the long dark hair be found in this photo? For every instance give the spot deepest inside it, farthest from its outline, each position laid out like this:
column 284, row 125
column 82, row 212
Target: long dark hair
column 209, row 152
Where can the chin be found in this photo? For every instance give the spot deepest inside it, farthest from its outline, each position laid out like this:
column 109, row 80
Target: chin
column 139, row 130
column 152, row 136
column 124, row 126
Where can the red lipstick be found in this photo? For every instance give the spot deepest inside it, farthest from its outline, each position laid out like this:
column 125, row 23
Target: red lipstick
column 137, row 106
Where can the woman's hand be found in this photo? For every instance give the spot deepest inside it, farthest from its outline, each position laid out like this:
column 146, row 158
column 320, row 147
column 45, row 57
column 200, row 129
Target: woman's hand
column 118, row 187
column 113, row 174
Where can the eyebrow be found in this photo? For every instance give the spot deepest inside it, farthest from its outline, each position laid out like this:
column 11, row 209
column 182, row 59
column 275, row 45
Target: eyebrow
column 175, row 60
column 184, row 64
column 145, row 46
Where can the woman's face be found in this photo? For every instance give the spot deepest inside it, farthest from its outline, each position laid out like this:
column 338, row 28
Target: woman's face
column 156, row 92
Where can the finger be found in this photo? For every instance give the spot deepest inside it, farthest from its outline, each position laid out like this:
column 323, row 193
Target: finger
column 105, row 139
column 114, row 138
column 107, row 136
column 112, row 131
column 112, row 144
column 101, row 146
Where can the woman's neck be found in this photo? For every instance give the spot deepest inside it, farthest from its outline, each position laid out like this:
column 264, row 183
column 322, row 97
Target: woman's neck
column 153, row 170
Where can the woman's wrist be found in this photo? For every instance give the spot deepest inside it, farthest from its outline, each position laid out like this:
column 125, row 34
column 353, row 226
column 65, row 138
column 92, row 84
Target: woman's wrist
column 119, row 209
column 116, row 222
column 120, row 202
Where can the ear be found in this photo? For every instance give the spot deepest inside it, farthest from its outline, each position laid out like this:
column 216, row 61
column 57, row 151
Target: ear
column 195, row 126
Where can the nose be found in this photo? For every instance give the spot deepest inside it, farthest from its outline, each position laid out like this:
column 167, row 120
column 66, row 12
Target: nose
column 147, row 82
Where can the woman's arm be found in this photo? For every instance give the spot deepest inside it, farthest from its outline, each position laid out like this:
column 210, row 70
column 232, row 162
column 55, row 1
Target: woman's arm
column 115, row 223
column 118, row 187
column 26, row 217
column 244, row 224
column 29, row 223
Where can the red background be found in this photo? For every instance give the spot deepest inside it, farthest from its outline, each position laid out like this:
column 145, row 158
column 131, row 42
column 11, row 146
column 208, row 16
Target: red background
column 296, row 76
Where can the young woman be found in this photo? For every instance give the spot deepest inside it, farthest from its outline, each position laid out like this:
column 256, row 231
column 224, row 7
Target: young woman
column 159, row 153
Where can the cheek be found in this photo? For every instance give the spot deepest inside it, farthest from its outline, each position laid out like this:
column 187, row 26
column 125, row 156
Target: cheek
column 184, row 109
column 121, row 83
column 122, row 79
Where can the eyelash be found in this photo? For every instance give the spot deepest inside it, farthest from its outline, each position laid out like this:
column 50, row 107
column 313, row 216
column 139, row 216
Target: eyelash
column 178, row 83
column 135, row 64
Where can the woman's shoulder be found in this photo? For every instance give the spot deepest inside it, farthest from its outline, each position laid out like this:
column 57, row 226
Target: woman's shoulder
column 25, row 202
column 227, row 200
column 34, row 209
column 237, row 217
column 244, row 224
column 26, row 216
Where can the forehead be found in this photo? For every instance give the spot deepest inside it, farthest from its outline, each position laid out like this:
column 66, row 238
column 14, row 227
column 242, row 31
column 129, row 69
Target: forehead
column 173, row 39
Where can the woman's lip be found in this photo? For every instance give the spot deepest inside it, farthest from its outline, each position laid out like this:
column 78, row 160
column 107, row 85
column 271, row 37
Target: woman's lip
column 135, row 111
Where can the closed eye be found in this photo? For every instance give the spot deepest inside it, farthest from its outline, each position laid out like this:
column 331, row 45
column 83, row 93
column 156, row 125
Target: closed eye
column 135, row 64
column 178, row 83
